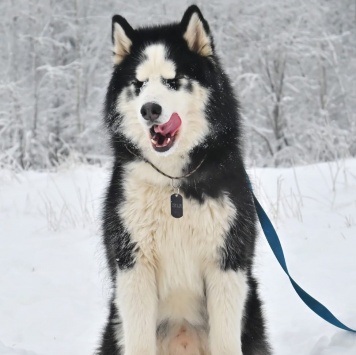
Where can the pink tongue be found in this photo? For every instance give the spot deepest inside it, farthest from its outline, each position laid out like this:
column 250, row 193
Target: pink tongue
column 170, row 127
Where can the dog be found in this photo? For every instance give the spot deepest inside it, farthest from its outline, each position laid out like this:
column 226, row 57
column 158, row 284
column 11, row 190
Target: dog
column 179, row 223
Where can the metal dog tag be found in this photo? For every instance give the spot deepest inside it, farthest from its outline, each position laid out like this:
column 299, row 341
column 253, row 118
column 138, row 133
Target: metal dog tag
column 176, row 205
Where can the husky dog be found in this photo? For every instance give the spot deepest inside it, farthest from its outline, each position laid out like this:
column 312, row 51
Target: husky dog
column 179, row 219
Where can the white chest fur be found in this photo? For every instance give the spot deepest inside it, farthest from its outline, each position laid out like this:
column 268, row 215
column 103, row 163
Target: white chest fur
column 179, row 249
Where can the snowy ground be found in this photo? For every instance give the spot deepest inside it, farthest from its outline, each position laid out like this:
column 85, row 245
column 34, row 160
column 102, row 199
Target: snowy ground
column 53, row 283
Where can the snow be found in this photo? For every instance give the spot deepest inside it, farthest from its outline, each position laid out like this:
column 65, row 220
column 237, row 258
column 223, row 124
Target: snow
column 54, row 285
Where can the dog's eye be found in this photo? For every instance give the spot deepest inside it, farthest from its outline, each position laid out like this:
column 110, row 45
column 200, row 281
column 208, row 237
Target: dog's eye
column 138, row 84
column 172, row 83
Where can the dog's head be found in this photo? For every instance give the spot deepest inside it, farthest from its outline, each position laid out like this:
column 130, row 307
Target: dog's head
column 158, row 83
column 167, row 86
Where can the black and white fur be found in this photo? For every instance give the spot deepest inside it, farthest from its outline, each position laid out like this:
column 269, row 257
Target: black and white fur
column 180, row 286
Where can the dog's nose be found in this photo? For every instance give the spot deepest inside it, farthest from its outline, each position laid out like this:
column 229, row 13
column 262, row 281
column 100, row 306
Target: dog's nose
column 150, row 111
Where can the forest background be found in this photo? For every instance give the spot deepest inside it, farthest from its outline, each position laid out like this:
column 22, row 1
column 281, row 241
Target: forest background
column 292, row 64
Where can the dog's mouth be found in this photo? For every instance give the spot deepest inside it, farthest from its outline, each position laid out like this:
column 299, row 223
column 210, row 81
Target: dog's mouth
column 163, row 136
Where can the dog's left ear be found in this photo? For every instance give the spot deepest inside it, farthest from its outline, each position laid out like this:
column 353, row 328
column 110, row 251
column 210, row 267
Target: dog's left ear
column 196, row 32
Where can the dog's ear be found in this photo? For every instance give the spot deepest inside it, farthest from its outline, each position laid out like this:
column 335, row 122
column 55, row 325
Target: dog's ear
column 122, row 36
column 196, row 32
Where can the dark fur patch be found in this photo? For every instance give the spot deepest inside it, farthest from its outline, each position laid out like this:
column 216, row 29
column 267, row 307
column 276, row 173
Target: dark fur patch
column 129, row 94
column 137, row 86
column 120, row 250
column 189, row 86
column 254, row 338
column 109, row 343
column 163, row 329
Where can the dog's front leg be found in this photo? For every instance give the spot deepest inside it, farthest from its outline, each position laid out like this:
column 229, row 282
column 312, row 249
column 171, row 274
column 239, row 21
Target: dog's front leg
column 226, row 296
column 137, row 303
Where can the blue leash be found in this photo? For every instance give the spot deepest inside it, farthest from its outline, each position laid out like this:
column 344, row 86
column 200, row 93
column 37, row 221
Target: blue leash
column 276, row 247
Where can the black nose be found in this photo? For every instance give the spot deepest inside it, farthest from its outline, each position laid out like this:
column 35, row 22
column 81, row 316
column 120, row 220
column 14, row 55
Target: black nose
column 151, row 111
